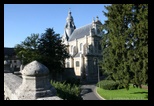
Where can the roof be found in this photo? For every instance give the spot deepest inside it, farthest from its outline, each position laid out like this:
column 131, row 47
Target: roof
column 9, row 51
column 80, row 32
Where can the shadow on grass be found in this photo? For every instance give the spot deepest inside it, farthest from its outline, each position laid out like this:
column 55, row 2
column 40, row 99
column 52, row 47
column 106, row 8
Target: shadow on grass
column 139, row 93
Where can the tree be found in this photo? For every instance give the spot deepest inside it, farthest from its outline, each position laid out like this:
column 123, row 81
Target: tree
column 28, row 49
column 120, row 44
column 48, row 50
column 139, row 27
column 52, row 51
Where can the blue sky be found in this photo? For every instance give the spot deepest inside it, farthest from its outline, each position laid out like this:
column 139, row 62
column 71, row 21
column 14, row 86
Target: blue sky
column 21, row 20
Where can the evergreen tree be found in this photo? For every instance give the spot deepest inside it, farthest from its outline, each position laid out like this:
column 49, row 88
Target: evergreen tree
column 120, row 50
column 48, row 50
column 52, row 51
column 139, row 52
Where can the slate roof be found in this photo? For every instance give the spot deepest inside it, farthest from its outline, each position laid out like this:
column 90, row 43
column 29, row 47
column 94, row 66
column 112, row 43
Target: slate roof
column 9, row 51
column 80, row 32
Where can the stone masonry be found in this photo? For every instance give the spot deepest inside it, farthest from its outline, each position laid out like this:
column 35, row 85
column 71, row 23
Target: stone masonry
column 34, row 84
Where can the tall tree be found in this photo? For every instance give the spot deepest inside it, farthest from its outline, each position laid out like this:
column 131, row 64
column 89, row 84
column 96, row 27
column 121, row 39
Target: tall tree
column 120, row 44
column 139, row 28
column 28, row 49
column 52, row 51
column 48, row 49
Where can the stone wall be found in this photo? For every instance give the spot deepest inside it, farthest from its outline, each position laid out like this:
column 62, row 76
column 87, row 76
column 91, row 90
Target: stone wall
column 34, row 83
column 11, row 83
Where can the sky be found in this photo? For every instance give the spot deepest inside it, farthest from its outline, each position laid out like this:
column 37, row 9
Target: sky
column 22, row 20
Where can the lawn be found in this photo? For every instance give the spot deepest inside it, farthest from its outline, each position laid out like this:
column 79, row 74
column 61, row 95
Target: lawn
column 123, row 94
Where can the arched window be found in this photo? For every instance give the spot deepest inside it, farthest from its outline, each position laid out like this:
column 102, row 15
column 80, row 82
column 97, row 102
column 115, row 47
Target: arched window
column 81, row 46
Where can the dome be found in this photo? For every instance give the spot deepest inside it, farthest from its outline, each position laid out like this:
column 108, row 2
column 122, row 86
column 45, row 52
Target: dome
column 35, row 69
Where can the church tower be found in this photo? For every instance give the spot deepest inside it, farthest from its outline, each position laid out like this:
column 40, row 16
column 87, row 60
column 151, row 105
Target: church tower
column 69, row 27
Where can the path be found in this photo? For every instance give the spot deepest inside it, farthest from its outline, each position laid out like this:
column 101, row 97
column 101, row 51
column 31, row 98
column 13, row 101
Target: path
column 89, row 92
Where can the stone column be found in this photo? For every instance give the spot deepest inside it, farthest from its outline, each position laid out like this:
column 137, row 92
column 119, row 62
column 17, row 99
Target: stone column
column 35, row 82
column 21, row 67
column 11, row 67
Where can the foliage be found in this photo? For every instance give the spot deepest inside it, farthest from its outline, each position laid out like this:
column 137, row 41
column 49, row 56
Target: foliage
column 67, row 91
column 109, row 85
column 52, row 51
column 28, row 49
column 125, row 43
column 72, row 81
column 140, row 53
column 48, row 50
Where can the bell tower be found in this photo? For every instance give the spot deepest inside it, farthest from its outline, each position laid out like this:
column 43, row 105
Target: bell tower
column 70, row 26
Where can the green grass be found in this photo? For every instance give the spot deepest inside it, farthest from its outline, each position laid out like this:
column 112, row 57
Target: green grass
column 123, row 94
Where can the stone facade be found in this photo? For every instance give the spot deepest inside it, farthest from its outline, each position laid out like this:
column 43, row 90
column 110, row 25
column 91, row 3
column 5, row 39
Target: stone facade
column 7, row 67
column 10, row 56
column 84, row 47
column 33, row 85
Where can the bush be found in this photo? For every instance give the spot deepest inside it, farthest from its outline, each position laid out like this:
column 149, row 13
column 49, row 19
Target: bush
column 67, row 91
column 109, row 85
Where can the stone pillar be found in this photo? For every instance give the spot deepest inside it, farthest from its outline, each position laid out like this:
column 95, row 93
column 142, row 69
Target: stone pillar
column 35, row 82
column 7, row 67
column 12, row 68
column 21, row 67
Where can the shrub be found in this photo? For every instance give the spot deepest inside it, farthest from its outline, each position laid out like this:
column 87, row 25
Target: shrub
column 67, row 91
column 109, row 85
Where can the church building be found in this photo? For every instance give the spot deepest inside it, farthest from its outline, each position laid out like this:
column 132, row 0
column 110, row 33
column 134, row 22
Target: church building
column 84, row 47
